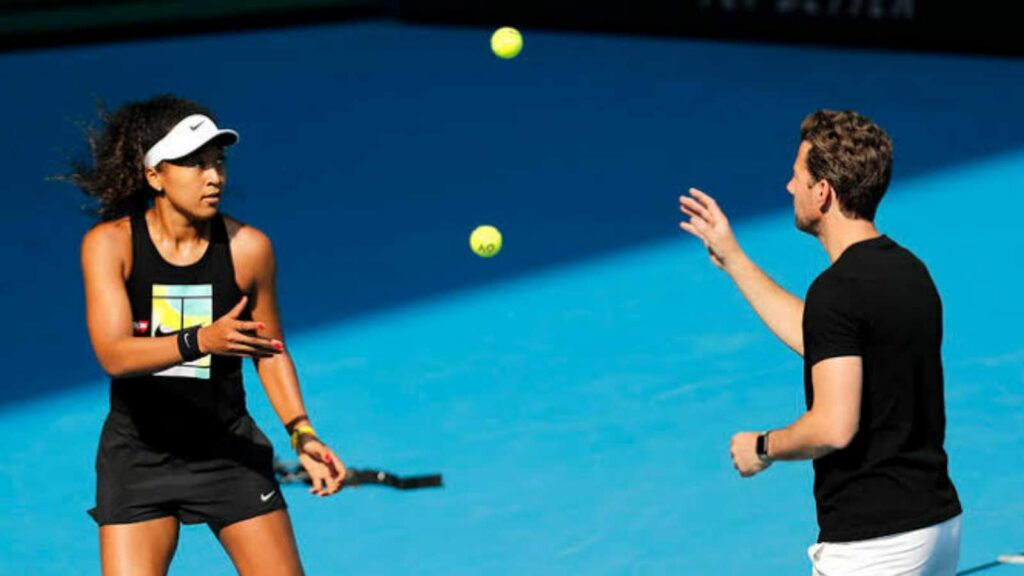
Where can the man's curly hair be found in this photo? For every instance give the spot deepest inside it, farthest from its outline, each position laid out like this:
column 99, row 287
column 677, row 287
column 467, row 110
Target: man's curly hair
column 853, row 154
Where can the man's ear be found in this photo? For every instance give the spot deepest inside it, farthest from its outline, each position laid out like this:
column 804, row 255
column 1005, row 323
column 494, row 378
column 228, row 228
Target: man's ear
column 824, row 195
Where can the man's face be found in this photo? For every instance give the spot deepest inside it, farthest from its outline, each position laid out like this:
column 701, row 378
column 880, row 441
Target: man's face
column 806, row 209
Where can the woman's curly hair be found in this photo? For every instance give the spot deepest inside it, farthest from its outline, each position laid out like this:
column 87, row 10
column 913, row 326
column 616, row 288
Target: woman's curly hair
column 115, row 177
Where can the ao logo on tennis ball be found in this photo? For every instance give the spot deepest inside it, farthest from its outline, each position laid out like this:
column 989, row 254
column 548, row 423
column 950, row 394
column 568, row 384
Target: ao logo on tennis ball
column 485, row 241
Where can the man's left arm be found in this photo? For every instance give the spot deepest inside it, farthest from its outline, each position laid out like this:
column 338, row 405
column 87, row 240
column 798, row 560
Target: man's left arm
column 829, row 425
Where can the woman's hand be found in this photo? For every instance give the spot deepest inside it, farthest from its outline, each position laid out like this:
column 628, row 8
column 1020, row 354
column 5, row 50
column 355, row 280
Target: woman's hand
column 229, row 336
column 325, row 469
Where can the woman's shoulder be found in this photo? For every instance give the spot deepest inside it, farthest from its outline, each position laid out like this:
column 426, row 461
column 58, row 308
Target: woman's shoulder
column 247, row 241
column 109, row 235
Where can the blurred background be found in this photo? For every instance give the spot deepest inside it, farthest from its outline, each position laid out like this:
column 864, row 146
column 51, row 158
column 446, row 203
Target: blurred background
column 578, row 390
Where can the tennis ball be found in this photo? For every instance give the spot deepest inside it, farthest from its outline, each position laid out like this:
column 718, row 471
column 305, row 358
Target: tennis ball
column 507, row 42
column 485, row 241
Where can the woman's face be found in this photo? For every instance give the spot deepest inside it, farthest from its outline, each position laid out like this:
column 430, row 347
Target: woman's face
column 193, row 184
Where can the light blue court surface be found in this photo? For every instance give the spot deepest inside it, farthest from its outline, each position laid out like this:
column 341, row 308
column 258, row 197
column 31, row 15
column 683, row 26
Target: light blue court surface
column 579, row 390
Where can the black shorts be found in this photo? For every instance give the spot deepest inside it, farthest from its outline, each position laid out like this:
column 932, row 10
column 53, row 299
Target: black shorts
column 229, row 480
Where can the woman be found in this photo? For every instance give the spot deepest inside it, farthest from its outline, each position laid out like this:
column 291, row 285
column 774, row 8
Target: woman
column 176, row 295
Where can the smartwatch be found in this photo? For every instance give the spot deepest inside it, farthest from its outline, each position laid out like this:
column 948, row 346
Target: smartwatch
column 762, row 446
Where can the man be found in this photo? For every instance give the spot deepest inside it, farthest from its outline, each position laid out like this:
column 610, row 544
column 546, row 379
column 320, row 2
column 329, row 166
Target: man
column 870, row 333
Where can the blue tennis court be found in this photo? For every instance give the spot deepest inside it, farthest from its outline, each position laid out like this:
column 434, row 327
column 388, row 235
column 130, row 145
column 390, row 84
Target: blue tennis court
column 579, row 390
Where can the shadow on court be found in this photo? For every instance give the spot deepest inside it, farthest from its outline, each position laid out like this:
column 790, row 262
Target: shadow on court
column 369, row 151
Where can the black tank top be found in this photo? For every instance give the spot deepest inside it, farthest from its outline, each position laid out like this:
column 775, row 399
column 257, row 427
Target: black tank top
column 180, row 407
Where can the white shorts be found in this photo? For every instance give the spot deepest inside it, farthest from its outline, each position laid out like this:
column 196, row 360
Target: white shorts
column 931, row 551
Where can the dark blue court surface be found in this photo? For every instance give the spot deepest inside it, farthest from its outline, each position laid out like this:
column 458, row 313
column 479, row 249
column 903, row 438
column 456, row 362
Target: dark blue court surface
column 579, row 390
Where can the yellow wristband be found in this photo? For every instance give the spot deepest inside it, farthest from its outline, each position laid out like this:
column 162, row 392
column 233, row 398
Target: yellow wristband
column 304, row 429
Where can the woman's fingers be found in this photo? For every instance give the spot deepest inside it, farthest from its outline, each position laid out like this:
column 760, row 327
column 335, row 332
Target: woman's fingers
column 267, row 344
column 249, row 326
column 247, row 351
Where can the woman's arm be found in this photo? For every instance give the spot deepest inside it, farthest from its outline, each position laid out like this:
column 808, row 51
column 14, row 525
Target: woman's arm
column 255, row 256
column 105, row 252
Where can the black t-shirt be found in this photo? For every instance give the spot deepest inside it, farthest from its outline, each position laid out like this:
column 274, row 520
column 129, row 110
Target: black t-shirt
column 877, row 301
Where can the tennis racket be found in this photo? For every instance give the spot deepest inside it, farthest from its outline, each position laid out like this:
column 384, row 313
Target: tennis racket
column 999, row 561
column 295, row 473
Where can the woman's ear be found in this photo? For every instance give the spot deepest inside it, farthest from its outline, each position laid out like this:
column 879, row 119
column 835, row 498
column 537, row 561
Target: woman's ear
column 154, row 179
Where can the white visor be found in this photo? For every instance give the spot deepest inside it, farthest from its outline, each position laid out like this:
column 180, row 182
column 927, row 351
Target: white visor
column 185, row 138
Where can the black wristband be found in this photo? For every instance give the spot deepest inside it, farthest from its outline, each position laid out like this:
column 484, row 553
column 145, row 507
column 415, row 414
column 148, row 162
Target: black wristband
column 295, row 422
column 188, row 344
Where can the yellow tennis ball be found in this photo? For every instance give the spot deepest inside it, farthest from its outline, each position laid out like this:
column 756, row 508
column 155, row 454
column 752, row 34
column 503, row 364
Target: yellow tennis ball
column 507, row 42
column 485, row 241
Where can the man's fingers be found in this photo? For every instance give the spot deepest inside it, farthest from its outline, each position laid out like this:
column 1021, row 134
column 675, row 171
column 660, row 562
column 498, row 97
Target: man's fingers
column 690, row 228
column 704, row 198
column 708, row 202
column 696, row 208
column 694, row 217
column 702, row 227
column 688, row 211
